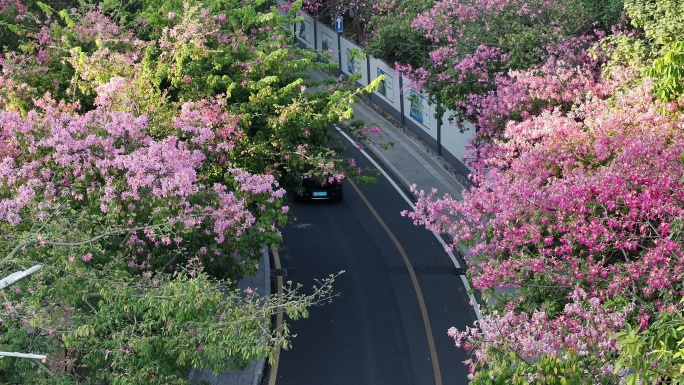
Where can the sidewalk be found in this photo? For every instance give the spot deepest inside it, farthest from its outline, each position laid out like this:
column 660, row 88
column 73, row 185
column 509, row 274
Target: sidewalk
column 410, row 160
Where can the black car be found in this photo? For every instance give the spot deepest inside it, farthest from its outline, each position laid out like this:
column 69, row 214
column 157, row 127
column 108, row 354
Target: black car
column 312, row 188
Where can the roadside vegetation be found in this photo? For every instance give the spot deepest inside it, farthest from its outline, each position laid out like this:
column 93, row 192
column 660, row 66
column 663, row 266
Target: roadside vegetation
column 145, row 150
column 145, row 143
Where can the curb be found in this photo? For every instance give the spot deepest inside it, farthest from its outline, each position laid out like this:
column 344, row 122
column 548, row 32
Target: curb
column 253, row 374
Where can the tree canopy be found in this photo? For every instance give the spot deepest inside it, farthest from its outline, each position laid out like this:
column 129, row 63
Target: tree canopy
column 577, row 198
column 145, row 147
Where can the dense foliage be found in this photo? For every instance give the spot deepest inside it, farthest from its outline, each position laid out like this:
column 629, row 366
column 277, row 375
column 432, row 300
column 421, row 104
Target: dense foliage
column 578, row 201
column 394, row 39
column 242, row 56
column 144, row 149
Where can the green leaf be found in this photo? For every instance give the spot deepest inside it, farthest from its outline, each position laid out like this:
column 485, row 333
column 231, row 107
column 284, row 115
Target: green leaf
column 632, row 379
column 14, row 28
column 45, row 8
column 67, row 18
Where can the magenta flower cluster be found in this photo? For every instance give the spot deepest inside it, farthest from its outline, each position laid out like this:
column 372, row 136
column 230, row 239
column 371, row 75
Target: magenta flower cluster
column 591, row 200
column 54, row 156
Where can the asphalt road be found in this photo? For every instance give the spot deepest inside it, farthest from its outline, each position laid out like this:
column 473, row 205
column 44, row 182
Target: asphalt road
column 375, row 331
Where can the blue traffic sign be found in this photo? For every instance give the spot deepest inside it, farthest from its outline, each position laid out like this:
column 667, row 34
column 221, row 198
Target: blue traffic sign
column 338, row 24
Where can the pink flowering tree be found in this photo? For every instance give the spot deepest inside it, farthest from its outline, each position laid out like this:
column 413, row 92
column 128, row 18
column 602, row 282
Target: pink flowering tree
column 238, row 61
column 571, row 72
column 576, row 209
column 133, row 233
column 474, row 44
column 580, row 212
column 142, row 168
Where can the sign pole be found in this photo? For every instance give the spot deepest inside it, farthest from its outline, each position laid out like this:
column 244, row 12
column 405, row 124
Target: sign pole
column 339, row 28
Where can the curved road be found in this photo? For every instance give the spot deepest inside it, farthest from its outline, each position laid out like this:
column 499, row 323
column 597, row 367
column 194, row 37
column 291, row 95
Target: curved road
column 389, row 324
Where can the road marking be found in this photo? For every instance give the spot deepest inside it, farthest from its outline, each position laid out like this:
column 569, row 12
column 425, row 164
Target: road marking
column 451, row 255
column 273, row 373
column 414, row 281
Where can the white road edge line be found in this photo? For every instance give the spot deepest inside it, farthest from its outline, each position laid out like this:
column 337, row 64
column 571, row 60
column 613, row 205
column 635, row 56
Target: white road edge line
column 475, row 305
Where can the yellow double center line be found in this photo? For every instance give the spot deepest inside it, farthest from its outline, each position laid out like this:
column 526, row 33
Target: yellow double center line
column 414, row 281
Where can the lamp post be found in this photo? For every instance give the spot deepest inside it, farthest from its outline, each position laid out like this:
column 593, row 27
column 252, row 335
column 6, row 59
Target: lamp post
column 10, row 279
column 14, row 277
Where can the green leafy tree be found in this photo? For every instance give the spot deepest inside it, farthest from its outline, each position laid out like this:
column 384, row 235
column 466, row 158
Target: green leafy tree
column 547, row 370
column 654, row 354
column 141, row 168
column 668, row 71
column 100, row 322
column 395, row 40
column 662, row 25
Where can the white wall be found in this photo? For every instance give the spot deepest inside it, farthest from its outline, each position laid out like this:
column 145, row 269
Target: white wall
column 419, row 111
column 350, row 66
column 453, row 140
column 325, row 33
column 423, row 114
column 392, row 93
column 305, row 29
